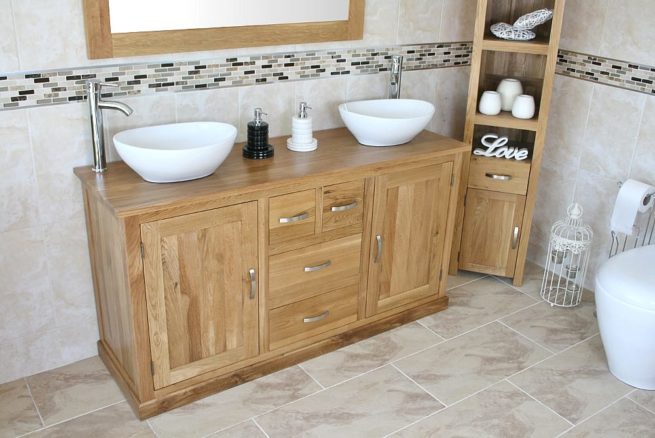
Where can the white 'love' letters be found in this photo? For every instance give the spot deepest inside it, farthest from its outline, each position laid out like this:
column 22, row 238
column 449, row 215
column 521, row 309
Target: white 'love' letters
column 496, row 148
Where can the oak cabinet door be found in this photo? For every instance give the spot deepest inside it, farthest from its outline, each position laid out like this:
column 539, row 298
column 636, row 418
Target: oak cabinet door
column 491, row 232
column 201, row 289
column 410, row 212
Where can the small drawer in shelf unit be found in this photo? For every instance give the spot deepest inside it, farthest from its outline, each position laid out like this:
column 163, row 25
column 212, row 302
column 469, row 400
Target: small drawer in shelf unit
column 343, row 206
column 292, row 216
column 499, row 174
column 307, row 272
column 303, row 319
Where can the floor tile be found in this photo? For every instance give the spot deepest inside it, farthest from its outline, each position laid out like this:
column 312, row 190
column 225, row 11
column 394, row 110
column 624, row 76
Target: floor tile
column 575, row 383
column 532, row 278
column 461, row 278
column 475, row 304
column 371, row 353
column 114, row 421
column 17, row 412
column 644, row 398
column 624, row 419
column 73, row 390
column 374, row 404
column 500, row 411
column 234, row 405
column 247, row 429
column 457, row 368
column 555, row 328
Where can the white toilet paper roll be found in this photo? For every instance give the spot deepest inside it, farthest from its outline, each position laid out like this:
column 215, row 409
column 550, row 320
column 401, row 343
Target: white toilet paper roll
column 634, row 197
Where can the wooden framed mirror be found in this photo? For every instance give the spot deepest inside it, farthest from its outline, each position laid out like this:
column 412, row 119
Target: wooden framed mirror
column 103, row 43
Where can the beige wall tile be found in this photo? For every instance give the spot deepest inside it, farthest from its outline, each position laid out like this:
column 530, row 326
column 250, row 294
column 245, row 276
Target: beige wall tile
column 628, row 33
column 458, row 20
column 217, row 105
column 8, row 48
column 419, row 21
column 18, row 192
column 30, row 353
column 452, row 93
column 324, row 96
column 367, row 87
column 274, row 99
column 17, row 412
column 583, row 25
column 643, row 165
column 381, row 22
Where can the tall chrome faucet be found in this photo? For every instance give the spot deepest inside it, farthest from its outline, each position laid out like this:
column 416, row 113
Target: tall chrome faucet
column 396, row 76
column 96, row 104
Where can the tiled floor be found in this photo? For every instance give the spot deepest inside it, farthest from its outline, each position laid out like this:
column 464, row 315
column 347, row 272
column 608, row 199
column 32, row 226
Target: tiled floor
column 497, row 363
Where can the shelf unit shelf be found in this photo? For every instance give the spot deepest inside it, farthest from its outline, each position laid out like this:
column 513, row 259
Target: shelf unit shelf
column 494, row 217
column 506, row 120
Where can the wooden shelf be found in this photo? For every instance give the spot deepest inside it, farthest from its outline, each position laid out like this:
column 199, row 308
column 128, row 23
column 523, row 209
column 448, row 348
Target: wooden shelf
column 506, row 120
column 534, row 47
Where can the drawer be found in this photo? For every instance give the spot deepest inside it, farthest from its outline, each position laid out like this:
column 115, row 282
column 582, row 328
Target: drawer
column 301, row 274
column 292, row 216
column 343, row 206
column 499, row 175
column 302, row 319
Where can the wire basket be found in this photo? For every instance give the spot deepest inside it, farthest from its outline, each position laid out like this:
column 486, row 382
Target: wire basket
column 567, row 259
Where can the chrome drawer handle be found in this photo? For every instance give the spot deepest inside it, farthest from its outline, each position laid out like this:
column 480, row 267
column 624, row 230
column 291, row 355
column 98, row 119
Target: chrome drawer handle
column 515, row 237
column 310, row 319
column 315, row 268
column 296, row 218
column 345, row 207
column 378, row 239
column 498, row 176
column 253, row 283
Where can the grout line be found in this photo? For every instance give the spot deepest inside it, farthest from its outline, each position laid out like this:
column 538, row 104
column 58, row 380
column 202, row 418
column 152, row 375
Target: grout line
column 637, row 403
column 147, row 421
column 431, row 331
column 419, row 385
column 70, row 419
column 29, row 390
column 539, row 401
column 593, row 415
column 260, row 427
column 310, row 376
column 466, row 283
column 538, row 300
column 528, row 338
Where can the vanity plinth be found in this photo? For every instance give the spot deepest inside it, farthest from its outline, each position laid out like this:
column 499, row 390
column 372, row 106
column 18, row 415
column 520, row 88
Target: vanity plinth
column 203, row 285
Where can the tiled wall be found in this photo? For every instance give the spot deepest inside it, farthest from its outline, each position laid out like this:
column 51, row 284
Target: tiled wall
column 47, row 316
column 598, row 135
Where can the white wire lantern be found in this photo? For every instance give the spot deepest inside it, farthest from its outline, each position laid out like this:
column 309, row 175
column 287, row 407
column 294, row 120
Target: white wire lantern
column 567, row 259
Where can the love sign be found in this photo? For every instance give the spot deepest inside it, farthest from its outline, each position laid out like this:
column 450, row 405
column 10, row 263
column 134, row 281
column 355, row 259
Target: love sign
column 496, row 148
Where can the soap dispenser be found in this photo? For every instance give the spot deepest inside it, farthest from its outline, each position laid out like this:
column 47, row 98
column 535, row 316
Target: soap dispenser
column 301, row 130
column 257, row 147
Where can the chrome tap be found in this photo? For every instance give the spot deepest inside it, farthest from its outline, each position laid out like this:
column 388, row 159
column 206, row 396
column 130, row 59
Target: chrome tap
column 395, row 76
column 96, row 104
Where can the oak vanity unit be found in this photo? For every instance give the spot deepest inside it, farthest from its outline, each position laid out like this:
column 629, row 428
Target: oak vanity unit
column 205, row 284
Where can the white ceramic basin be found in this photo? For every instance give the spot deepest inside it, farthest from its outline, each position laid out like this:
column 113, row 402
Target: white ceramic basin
column 177, row 151
column 386, row 122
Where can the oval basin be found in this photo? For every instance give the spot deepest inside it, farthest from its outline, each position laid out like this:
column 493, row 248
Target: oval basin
column 177, row 151
column 386, row 122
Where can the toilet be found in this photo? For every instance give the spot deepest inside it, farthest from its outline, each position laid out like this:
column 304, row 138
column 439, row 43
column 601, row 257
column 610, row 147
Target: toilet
column 625, row 304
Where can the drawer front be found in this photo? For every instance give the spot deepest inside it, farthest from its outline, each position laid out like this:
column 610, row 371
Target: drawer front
column 302, row 319
column 292, row 216
column 499, row 175
column 343, row 206
column 297, row 275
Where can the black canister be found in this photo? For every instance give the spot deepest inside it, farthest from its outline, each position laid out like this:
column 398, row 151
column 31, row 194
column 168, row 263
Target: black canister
column 257, row 147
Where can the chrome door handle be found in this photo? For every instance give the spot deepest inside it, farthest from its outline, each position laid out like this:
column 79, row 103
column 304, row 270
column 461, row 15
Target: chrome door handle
column 253, row 283
column 378, row 239
column 296, row 218
column 345, row 207
column 310, row 319
column 498, row 176
column 515, row 237
column 319, row 267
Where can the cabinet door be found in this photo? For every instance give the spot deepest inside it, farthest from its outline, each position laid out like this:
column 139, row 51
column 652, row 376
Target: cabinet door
column 491, row 232
column 409, row 223
column 201, row 290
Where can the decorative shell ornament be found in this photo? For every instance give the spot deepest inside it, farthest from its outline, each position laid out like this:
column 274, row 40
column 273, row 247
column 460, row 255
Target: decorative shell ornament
column 520, row 31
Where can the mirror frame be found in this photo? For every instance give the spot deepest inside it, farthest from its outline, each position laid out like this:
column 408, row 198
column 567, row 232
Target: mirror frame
column 101, row 43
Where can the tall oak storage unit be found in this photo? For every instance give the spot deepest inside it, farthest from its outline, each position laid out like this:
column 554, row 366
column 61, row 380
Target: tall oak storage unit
column 497, row 202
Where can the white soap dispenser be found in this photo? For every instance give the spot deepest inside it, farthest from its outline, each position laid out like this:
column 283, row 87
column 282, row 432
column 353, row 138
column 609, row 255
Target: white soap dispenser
column 302, row 139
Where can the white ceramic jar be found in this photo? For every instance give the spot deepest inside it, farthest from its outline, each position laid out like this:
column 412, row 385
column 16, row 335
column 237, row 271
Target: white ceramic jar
column 490, row 103
column 523, row 107
column 509, row 88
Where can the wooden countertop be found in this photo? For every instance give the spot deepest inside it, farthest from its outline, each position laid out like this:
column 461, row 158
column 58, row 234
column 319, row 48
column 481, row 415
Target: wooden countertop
column 338, row 153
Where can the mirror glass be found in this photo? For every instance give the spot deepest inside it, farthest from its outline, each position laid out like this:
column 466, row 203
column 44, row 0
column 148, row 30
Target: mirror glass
column 156, row 15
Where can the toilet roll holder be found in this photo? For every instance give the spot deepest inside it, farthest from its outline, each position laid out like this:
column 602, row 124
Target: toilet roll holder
column 644, row 227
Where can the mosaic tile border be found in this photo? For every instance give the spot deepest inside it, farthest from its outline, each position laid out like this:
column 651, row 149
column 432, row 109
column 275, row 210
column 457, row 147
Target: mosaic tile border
column 23, row 90
column 607, row 71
